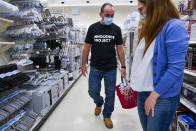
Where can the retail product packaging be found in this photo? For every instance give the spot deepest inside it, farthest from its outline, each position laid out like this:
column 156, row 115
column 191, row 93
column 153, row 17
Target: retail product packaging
column 77, row 65
column 66, row 81
column 71, row 76
column 73, row 66
column 78, row 51
column 191, row 58
column 132, row 21
column 192, row 4
column 60, row 88
column 62, row 77
column 193, row 32
column 189, row 92
column 194, row 59
column 65, row 62
column 54, row 86
column 180, row 111
column 75, row 74
column 186, row 123
column 42, row 100
column 81, row 36
column 46, row 96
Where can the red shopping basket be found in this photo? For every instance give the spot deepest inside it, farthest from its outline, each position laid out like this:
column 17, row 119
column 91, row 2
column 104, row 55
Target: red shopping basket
column 129, row 101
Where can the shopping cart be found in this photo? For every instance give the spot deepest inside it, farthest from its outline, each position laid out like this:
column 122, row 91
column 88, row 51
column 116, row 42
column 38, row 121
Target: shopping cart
column 129, row 101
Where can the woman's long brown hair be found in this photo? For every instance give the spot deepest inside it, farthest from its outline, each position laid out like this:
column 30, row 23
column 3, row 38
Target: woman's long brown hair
column 157, row 14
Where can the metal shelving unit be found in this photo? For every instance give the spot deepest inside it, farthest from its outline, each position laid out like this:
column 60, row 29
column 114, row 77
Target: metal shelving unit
column 5, row 23
column 188, row 85
column 192, row 42
column 191, row 77
column 188, row 104
column 190, row 72
column 5, row 44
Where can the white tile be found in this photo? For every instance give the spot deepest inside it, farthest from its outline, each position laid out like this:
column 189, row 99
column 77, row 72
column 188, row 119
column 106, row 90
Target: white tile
column 76, row 113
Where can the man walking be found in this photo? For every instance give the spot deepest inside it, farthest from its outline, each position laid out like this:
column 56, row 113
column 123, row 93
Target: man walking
column 103, row 38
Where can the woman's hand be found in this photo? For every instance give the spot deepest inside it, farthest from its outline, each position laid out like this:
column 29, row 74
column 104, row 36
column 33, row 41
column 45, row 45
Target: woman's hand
column 150, row 103
column 127, row 90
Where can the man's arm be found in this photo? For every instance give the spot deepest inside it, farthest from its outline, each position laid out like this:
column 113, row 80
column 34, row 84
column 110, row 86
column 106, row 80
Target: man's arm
column 85, row 55
column 121, row 56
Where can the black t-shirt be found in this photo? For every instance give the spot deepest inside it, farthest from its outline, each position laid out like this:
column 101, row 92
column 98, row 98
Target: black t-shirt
column 104, row 39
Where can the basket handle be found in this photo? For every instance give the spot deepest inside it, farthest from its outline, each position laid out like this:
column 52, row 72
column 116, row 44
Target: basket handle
column 124, row 79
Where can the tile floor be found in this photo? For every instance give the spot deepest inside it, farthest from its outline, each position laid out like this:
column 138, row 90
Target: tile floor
column 75, row 113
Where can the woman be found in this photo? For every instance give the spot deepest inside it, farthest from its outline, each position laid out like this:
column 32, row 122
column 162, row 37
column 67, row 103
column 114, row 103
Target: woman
column 158, row 64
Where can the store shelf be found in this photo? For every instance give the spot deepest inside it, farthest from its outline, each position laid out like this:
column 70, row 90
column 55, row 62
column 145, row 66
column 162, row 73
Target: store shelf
column 188, row 86
column 80, row 43
column 13, row 120
column 188, row 104
column 5, row 48
column 190, row 72
column 192, row 42
column 47, row 38
column 40, row 121
column 5, row 45
column 5, row 23
column 36, row 123
column 184, row 17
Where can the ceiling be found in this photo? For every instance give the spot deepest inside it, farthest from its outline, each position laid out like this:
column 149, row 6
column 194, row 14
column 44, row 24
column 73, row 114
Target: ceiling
column 92, row 2
column 85, row 12
column 89, row 2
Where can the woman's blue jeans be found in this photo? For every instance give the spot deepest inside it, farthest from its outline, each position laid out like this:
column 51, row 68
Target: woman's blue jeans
column 164, row 112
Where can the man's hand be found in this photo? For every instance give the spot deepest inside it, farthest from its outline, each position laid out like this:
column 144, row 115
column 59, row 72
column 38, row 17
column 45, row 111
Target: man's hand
column 123, row 72
column 127, row 90
column 150, row 103
column 84, row 70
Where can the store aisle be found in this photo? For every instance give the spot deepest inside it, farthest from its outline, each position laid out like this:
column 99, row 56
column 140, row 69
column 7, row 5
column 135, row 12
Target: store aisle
column 76, row 113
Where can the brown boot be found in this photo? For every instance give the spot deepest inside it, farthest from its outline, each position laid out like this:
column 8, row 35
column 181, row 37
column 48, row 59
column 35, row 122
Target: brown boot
column 108, row 123
column 97, row 110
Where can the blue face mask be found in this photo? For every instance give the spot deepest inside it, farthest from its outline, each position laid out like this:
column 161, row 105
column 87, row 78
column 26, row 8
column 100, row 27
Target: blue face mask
column 107, row 20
